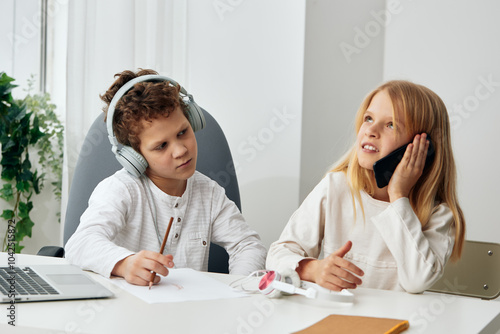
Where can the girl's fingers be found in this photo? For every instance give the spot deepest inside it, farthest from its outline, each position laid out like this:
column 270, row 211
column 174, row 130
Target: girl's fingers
column 420, row 152
column 347, row 265
column 405, row 162
column 415, row 154
column 344, row 249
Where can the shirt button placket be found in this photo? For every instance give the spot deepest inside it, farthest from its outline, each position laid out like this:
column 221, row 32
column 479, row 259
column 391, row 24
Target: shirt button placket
column 176, row 236
column 177, row 226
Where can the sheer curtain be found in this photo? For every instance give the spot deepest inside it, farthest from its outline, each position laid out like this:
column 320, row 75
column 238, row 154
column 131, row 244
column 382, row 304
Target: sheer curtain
column 105, row 38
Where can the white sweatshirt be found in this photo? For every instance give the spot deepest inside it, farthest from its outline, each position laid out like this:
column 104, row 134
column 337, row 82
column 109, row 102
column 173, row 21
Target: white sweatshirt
column 120, row 221
column 390, row 246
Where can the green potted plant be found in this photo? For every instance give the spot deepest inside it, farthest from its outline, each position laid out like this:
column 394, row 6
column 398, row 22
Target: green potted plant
column 31, row 140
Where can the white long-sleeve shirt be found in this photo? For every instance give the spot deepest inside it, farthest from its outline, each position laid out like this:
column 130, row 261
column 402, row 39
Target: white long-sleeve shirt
column 119, row 222
column 390, row 246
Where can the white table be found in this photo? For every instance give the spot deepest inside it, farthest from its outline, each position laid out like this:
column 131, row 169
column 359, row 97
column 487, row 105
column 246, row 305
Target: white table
column 427, row 313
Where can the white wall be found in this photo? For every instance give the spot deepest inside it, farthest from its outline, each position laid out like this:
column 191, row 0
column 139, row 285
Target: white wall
column 341, row 66
column 245, row 65
column 452, row 47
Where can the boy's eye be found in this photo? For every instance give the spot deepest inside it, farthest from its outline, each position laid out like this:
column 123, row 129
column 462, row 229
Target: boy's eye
column 161, row 146
column 182, row 132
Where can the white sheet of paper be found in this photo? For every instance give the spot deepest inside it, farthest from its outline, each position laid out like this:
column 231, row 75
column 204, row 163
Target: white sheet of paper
column 181, row 285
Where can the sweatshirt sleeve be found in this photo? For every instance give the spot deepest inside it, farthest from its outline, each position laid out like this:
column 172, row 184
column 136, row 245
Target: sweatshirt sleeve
column 302, row 236
column 91, row 246
column 420, row 253
column 231, row 231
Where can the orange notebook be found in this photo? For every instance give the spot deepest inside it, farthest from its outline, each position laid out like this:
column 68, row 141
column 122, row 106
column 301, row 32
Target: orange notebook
column 336, row 323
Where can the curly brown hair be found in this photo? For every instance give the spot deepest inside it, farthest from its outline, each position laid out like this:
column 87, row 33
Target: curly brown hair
column 145, row 101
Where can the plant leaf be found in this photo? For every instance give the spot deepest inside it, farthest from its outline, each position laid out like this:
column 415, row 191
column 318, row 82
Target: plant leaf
column 7, row 193
column 17, row 247
column 35, row 133
column 23, row 228
column 7, row 214
column 8, row 174
column 24, row 209
column 22, row 186
column 5, row 84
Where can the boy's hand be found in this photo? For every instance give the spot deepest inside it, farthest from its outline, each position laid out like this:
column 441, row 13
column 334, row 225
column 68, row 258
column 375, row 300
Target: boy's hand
column 409, row 169
column 136, row 269
column 333, row 272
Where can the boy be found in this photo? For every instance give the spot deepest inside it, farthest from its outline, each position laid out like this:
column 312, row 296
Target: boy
column 121, row 231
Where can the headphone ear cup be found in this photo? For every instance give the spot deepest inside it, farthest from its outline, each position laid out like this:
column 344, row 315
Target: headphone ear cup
column 266, row 287
column 265, row 284
column 195, row 115
column 292, row 277
column 133, row 162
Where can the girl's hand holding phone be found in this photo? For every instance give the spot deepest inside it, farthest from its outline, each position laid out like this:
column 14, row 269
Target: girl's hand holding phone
column 409, row 169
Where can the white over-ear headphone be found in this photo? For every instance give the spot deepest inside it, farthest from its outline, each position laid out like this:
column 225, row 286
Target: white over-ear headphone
column 130, row 159
column 273, row 284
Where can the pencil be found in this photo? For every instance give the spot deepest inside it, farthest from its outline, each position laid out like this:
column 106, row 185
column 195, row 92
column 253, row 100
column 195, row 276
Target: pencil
column 162, row 248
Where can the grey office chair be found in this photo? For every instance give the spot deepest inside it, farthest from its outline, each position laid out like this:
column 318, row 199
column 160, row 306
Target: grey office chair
column 476, row 274
column 96, row 162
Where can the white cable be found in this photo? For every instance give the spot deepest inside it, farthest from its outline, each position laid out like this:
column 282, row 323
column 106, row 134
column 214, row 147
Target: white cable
column 152, row 206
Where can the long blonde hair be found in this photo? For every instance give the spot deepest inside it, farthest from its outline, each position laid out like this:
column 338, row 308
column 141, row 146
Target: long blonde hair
column 423, row 111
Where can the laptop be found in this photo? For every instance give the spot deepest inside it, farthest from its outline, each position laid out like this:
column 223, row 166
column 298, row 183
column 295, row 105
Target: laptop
column 46, row 283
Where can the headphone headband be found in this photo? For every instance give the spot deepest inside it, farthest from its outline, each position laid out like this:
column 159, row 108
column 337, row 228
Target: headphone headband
column 131, row 160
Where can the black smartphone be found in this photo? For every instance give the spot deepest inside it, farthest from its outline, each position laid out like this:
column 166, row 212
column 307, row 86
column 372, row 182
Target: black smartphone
column 385, row 167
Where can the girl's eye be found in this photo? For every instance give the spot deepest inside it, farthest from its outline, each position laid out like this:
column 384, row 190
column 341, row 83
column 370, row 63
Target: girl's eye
column 161, row 146
column 368, row 119
column 390, row 125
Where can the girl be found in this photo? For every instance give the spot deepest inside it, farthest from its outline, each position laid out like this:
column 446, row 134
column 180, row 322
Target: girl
column 398, row 237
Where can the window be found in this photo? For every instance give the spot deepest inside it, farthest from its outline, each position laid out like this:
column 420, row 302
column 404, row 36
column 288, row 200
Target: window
column 34, row 43
column 20, row 51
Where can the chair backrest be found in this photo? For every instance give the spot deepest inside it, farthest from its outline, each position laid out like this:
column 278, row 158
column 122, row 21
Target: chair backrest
column 476, row 274
column 96, row 162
